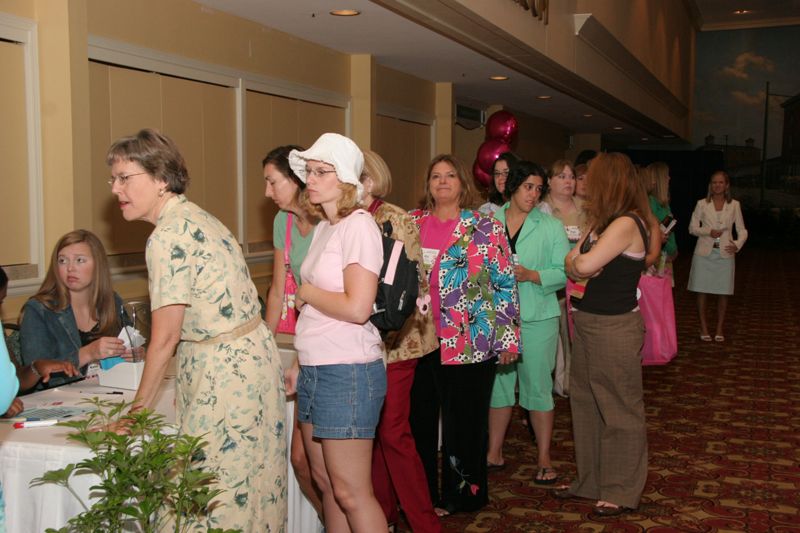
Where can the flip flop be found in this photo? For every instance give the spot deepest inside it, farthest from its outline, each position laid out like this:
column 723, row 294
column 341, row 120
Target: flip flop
column 540, row 478
column 495, row 467
column 719, row 338
column 705, row 338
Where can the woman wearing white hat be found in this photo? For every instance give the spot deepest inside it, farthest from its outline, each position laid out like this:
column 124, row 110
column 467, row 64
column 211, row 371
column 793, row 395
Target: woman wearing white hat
column 342, row 380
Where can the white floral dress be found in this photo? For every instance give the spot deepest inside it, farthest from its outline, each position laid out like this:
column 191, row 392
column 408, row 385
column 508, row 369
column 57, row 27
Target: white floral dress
column 230, row 392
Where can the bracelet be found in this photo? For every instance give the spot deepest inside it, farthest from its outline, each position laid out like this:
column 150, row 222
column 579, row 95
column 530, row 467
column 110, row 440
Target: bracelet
column 34, row 371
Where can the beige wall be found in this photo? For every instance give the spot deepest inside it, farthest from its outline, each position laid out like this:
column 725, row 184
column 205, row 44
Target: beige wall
column 658, row 33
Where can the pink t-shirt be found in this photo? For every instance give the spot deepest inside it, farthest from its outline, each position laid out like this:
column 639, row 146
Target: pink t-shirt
column 320, row 339
column 435, row 234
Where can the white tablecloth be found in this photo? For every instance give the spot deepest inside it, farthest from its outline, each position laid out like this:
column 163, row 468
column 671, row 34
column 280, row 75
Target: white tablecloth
column 29, row 453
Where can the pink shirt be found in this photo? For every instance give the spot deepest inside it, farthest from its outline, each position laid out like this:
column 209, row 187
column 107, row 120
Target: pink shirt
column 435, row 234
column 320, row 339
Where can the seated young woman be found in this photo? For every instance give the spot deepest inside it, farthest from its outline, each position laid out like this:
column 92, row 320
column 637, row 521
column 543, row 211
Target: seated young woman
column 75, row 316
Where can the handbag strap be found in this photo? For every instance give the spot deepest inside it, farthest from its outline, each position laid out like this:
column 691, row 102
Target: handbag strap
column 376, row 203
column 288, row 242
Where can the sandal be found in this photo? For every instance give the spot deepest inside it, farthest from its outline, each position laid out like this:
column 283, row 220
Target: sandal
column 705, row 338
column 495, row 467
column 541, row 476
column 719, row 338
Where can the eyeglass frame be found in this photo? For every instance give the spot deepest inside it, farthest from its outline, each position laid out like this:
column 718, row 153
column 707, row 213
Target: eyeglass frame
column 123, row 180
column 318, row 172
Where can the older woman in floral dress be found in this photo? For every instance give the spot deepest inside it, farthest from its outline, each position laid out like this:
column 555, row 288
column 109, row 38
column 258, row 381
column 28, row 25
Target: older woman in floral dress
column 230, row 384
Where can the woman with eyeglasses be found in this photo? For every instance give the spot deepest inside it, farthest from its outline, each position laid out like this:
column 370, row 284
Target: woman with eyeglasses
column 500, row 169
column 205, row 309
column 561, row 202
column 539, row 245
column 75, row 316
column 342, row 380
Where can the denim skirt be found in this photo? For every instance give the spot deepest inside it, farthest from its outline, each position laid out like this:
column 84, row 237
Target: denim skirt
column 341, row 401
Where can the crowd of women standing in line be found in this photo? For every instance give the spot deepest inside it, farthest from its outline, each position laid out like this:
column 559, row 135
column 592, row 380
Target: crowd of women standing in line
column 491, row 313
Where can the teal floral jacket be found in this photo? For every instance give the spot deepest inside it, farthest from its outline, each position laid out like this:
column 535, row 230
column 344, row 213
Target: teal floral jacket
column 478, row 291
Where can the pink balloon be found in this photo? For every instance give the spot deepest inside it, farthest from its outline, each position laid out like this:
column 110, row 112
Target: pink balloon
column 489, row 152
column 502, row 126
column 482, row 177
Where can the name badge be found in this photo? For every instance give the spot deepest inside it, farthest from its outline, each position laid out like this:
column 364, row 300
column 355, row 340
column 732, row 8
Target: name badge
column 429, row 256
column 573, row 233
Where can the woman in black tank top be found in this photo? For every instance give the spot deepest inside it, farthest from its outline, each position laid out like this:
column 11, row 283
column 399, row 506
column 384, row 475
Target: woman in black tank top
column 606, row 377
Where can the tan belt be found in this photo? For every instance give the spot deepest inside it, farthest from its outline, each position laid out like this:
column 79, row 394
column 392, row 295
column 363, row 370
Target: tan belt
column 241, row 331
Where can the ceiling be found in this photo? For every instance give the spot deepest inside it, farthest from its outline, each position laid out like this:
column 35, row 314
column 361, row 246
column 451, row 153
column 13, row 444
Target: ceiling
column 728, row 15
column 406, row 46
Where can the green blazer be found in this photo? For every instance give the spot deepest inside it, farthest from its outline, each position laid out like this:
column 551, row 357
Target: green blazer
column 542, row 245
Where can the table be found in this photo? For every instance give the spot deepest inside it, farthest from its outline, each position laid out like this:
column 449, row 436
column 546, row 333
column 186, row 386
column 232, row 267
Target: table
column 29, row 453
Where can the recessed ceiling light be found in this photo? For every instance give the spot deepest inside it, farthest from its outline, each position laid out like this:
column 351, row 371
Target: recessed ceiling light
column 645, row 139
column 345, row 12
column 587, row 115
column 544, row 97
column 741, row 12
column 617, row 128
column 498, row 78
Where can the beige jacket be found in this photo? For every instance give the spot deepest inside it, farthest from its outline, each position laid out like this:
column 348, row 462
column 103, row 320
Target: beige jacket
column 706, row 218
column 418, row 336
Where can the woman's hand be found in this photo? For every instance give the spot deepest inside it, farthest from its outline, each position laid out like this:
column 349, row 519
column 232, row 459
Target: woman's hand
column 16, row 408
column 524, row 274
column 106, row 347
column 45, row 367
column 506, row 358
column 715, row 233
column 731, row 248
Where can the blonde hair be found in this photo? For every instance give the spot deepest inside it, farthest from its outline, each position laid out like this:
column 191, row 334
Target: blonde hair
column 558, row 167
column 54, row 295
column 346, row 204
column 728, row 196
column 658, row 186
column 468, row 194
column 376, row 168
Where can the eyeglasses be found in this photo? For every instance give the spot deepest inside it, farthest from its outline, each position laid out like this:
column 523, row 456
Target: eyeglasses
column 499, row 173
column 318, row 172
column 123, row 180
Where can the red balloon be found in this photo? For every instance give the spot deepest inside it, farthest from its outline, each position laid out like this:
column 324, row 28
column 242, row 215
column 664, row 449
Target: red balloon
column 502, row 126
column 489, row 152
column 484, row 178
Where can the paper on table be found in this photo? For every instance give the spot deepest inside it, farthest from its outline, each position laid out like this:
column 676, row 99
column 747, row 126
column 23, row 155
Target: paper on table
column 131, row 338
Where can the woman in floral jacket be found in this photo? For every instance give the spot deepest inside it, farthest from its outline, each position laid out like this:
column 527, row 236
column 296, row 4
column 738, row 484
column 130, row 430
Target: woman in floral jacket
column 476, row 314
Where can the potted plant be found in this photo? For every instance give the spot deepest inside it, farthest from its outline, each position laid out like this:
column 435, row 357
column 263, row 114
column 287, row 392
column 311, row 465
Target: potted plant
column 149, row 478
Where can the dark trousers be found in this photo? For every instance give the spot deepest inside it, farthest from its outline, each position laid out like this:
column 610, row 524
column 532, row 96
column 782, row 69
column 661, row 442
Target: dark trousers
column 397, row 471
column 462, row 394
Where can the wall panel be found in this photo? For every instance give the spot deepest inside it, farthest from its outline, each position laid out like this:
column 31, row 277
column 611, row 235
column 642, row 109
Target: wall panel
column 406, row 148
column 13, row 157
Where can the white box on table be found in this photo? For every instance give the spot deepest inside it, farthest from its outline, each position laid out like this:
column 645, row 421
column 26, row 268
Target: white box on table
column 122, row 376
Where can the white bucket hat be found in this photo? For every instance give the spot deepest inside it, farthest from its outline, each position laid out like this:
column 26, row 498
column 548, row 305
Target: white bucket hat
column 336, row 150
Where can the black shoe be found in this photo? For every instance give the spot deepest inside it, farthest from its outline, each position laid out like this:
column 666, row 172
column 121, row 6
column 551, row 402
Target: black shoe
column 562, row 493
column 607, row 511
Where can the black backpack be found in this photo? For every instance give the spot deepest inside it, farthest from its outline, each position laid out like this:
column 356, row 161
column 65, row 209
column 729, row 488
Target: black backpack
column 398, row 285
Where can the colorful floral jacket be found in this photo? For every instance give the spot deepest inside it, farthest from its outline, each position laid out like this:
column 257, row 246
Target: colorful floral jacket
column 478, row 291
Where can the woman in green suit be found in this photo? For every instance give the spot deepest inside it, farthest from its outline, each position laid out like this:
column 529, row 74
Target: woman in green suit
column 539, row 244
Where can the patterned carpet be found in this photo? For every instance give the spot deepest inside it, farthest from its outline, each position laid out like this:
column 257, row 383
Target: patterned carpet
column 723, row 426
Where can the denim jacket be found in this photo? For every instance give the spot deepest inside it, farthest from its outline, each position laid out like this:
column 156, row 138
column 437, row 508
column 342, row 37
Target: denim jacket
column 46, row 334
